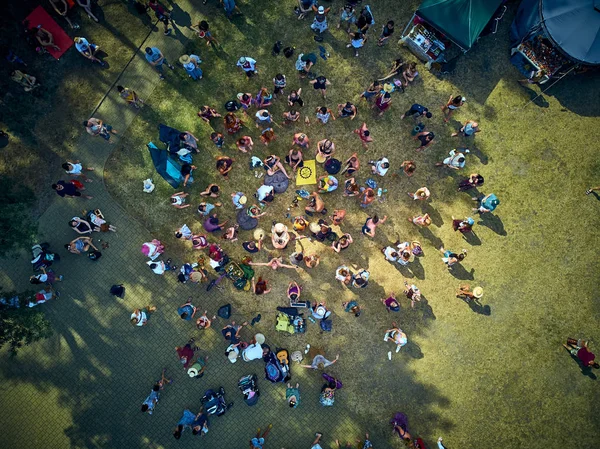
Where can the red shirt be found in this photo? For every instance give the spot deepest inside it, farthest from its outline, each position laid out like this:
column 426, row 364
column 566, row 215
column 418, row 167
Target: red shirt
column 585, row 356
column 186, row 352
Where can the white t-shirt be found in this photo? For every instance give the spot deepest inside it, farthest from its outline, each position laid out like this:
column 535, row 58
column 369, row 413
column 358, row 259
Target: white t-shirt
column 75, row 169
column 141, row 318
column 178, row 200
column 159, row 268
column 263, row 191
column 379, row 168
column 253, row 352
column 388, row 254
column 259, row 116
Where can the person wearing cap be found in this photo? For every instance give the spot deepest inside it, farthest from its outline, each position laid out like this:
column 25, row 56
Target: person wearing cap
column 452, row 105
column 463, row 226
column 391, row 303
column 469, row 129
column 248, row 66
column 487, row 203
column 156, row 59
column 421, row 194
column 455, row 160
column 417, row 111
column 191, row 65
column 87, row 50
column 320, row 21
column 464, row 291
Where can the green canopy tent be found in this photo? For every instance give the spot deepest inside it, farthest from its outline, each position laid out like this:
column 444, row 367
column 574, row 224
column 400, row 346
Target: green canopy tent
column 461, row 21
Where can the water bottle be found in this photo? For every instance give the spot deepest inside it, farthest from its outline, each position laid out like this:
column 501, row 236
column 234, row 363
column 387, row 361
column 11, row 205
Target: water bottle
column 379, row 191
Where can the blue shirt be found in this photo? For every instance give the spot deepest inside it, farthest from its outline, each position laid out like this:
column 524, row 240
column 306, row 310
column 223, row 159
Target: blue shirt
column 419, row 108
column 186, row 309
column 187, row 419
column 491, row 202
column 151, row 401
column 154, row 56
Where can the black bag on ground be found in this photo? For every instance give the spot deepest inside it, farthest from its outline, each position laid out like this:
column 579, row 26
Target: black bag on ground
column 118, row 290
column 224, row 311
column 94, row 255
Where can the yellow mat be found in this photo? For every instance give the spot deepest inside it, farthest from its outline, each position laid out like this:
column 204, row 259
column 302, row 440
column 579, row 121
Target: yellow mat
column 307, row 174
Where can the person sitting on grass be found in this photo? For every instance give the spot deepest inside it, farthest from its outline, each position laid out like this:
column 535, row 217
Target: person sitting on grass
column 178, row 200
column 27, row 81
column 87, row 50
column 260, row 286
column 206, row 113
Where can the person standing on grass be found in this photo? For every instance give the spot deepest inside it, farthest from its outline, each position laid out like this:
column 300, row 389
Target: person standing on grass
column 450, row 258
column 279, row 83
column 383, row 102
column 452, row 105
column 156, row 59
column 579, row 348
column 191, row 64
column 87, row 50
column 409, row 168
column 320, row 83
column 426, row 138
column 161, row 14
column 230, row 7
column 474, row 180
column 294, row 98
column 469, row 129
column 364, row 134
column 96, row 127
column 320, row 21
column 357, row 40
column 68, row 189
column 141, row 317
column 324, row 114
column 371, row 224
column 87, row 7
column 455, row 160
column 386, row 33
column 347, row 110
column 416, row 111
column 76, row 169
column 396, row 335
column 347, row 16
column 248, row 66
column 130, row 96
column 202, row 30
column 487, row 203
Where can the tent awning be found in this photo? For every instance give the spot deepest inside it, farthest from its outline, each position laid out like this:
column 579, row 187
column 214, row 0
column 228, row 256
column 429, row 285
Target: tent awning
column 462, row 21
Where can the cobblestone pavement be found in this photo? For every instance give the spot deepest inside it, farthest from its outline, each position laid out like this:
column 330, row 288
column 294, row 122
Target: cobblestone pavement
column 84, row 386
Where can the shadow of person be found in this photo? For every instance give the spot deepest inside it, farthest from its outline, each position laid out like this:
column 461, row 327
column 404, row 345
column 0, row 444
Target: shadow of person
column 436, row 218
column 140, row 13
column 585, row 370
column 424, row 309
column 417, row 269
column 434, row 239
column 479, row 154
column 413, row 350
column 493, row 222
column 404, row 270
column 460, row 272
column 472, row 238
column 479, row 308
column 180, row 17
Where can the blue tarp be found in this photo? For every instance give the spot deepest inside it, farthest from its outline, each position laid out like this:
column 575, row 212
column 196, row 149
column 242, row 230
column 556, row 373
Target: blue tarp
column 166, row 166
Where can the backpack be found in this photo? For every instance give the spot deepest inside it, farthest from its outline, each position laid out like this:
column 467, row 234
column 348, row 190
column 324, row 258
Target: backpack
column 118, row 291
column 333, row 166
column 232, row 106
column 326, row 325
column 224, row 311
column 288, row 52
column 94, row 255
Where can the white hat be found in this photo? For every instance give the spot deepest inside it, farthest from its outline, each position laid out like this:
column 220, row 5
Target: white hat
column 259, row 234
column 279, row 228
column 478, row 292
column 148, row 186
column 321, row 10
column 242, row 60
column 260, row 338
column 243, row 199
column 184, row 59
column 232, row 356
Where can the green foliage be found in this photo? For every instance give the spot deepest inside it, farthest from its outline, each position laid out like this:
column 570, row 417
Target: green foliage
column 17, row 226
column 21, row 327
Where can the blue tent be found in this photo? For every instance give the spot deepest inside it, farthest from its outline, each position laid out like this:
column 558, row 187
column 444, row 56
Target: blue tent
column 166, row 166
column 573, row 26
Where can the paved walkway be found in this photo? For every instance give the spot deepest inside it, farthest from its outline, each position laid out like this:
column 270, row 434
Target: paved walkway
column 97, row 366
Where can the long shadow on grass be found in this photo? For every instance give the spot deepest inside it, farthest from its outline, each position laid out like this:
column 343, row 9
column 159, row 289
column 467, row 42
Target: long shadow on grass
column 493, row 222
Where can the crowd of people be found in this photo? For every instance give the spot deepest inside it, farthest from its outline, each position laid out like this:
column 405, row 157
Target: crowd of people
column 309, row 216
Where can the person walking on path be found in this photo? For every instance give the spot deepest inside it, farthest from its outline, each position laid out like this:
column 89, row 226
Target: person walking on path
column 74, row 168
column 96, row 127
column 156, row 59
column 69, row 190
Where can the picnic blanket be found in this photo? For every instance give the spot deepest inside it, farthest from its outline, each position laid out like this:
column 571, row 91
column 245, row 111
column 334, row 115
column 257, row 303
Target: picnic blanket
column 307, row 174
column 39, row 16
column 245, row 221
column 170, row 136
column 278, row 181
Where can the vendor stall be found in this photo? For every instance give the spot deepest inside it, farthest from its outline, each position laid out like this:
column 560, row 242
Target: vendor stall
column 550, row 35
column 438, row 23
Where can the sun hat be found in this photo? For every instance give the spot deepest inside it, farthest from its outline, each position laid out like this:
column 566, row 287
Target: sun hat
column 478, row 292
column 243, row 199
column 260, row 338
column 314, row 227
column 184, row 59
column 388, row 88
column 259, row 234
column 232, row 356
column 321, row 10
column 279, row 228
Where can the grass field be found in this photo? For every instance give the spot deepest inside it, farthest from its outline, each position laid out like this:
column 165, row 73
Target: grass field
column 485, row 377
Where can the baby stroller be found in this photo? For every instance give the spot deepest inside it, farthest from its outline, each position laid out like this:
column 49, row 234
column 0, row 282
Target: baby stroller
column 214, row 403
column 42, row 256
column 277, row 368
column 249, row 389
